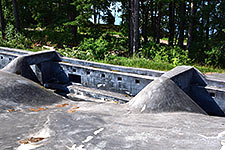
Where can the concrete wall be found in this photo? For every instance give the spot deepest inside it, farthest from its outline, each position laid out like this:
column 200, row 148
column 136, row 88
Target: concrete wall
column 121, row 82
column 126, row 80
column 119, row 79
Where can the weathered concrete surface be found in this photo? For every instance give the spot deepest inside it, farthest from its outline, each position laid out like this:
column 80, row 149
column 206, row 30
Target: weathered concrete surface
column 16, row 90
column 88, row 125
column 163, row 95
column 33, row 118
column 218, row 76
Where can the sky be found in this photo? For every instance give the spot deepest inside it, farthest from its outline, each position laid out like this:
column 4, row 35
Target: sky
column 115, row 12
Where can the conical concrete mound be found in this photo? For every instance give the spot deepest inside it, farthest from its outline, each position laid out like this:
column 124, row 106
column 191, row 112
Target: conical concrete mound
column 16, row 90
column 163, row 95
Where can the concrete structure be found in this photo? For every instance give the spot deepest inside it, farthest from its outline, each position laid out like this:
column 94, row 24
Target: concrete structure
column 33, row 117
column 180, row 89
column 96, row 75
column 103, row 81
column 163, row 95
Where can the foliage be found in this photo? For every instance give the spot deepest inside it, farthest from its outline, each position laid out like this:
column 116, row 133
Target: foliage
column 216, row 56
column 173, row 55
column 89, row 49
column 67, row 25
column 93, row 49
column 14, row 39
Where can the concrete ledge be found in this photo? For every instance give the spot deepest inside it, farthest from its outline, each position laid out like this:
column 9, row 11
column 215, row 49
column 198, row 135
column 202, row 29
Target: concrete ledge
column 14, row 51
column 140, row 71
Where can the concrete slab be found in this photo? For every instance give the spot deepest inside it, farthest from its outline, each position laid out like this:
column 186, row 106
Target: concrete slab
column 87, row 125
column 16, row 90
column 33, row 118
column 218, row 76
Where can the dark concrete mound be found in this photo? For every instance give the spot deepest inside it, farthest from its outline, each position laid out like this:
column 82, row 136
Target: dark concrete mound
column 163, row 95
column 191, row 81
column 16, row 90
column 180, row 89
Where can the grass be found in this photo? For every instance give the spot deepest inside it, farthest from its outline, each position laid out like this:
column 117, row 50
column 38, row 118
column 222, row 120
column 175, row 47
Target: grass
column 139, row 63
column 150, row 64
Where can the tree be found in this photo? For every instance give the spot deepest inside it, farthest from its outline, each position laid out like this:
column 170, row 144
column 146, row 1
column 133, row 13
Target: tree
column 17, row 22
column 171, row 22
column 191, row 23
column 2, row 20
column 134, row 40
column 153, row 19
column 182, row 11
column 145, row 18
column 159, row 22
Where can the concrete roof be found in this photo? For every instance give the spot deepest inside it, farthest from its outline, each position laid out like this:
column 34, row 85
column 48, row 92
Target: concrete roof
column 45, row 121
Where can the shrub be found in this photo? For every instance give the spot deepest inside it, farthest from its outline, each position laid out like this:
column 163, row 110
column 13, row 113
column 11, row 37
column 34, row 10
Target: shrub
column 174, row 55
column 89, row 49
column 93, row 49
column 14, row 39
column 216, row 56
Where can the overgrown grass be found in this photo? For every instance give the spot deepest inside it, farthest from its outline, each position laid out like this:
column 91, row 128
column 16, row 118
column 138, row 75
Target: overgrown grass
column 149, row 64
column 138, row 63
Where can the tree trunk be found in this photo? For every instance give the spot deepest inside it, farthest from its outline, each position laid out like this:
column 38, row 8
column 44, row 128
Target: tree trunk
column 145, row 20
column 159, row 22
column 207, row 23
column 2, row 20
column 74, row 27
column 191, row 24
column 95, row 15
column 153, row 27
column 99, row 16
column 134, row 26
column 171, row 23
column 72, row 14
column 181, row 25
column 130, row 28
column 15, row 9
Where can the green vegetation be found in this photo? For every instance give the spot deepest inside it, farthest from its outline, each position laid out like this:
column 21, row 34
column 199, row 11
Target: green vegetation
column 159, row 62
column 192, row 37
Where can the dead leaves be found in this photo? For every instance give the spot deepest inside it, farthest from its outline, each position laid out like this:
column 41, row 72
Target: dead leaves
column 14, row 110
column 70, row 111
column 31, row 140
column 41, row 109
column 37, row 109
column 11, row 110
column 62, row 105
column 73, row 109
